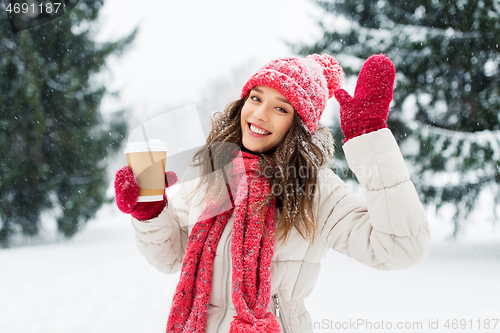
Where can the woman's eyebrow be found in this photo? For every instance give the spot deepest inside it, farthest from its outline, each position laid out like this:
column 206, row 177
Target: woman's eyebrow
column 281, row 99
column 284, row 100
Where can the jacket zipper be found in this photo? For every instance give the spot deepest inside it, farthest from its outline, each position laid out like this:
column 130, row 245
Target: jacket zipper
column 279, row 315
column 227, row 258
column 276, row 304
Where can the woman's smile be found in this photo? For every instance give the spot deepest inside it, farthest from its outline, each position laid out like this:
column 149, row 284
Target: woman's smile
column 257, row 131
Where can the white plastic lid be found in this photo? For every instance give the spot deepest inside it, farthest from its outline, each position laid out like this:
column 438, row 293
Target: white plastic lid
column 151, row 145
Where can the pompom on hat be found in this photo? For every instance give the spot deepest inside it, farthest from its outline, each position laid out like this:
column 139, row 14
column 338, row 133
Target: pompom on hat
column 307, row 83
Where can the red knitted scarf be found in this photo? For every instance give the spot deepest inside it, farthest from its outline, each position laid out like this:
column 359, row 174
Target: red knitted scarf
column 251, row 255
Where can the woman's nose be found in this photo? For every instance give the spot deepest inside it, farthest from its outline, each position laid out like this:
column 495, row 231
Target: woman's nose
column 261, row 112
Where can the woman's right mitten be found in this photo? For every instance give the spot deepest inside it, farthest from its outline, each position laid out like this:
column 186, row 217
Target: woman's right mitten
column 127, row 193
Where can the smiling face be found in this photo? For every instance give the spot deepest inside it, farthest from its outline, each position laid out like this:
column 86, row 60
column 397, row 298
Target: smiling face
column 266, row 118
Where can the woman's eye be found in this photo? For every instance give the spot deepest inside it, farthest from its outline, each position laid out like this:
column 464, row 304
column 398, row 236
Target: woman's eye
column 281, row 109
column 255, row 98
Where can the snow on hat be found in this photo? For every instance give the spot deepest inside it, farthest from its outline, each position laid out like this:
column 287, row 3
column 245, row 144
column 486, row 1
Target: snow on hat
column 307, row 83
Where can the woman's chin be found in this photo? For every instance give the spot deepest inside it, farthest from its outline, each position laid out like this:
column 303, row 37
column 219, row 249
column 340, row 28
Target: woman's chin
column 257, row 147
column 253, row 149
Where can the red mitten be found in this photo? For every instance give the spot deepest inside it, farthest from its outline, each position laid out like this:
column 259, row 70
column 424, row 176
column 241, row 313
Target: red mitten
column 127, row 192
column 367, row 111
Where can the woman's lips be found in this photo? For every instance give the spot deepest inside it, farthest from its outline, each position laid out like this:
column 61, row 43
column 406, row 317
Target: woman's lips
column 257, row 135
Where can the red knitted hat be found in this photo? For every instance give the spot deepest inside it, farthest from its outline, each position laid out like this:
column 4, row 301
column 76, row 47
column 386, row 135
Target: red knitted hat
column 306, row 82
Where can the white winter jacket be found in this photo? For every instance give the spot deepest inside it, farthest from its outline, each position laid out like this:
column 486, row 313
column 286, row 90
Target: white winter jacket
column 386, row 229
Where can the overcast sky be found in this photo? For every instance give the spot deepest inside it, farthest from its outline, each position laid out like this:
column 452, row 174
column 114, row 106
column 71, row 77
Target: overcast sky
column 184, row 45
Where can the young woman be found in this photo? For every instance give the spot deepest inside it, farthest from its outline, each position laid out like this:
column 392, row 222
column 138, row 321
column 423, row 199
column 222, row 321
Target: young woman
column 249, row 234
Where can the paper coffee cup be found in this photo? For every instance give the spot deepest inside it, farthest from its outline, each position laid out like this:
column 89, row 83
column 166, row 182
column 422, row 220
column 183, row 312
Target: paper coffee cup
column 148, row 161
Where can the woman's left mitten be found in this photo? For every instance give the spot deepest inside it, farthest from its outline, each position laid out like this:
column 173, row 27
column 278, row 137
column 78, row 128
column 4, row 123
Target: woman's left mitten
column 368, row 109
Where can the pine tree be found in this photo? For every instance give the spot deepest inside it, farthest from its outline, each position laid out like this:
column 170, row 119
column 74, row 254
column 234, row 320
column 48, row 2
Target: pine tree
column 54, row 141
column 446, row 108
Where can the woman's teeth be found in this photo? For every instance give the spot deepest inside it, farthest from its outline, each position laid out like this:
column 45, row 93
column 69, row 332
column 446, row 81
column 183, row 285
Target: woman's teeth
column 258, row 130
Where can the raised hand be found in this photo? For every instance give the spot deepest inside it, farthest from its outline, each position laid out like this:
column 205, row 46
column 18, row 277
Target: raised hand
column 367, row 111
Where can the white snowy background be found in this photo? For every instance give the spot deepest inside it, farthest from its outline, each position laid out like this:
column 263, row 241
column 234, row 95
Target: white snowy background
column 98, row 282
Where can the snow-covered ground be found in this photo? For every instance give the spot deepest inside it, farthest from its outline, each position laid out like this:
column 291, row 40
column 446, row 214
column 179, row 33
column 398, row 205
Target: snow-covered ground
column 98, row 282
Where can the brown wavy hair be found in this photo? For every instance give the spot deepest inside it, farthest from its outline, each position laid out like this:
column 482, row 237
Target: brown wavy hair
column 291, row 169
